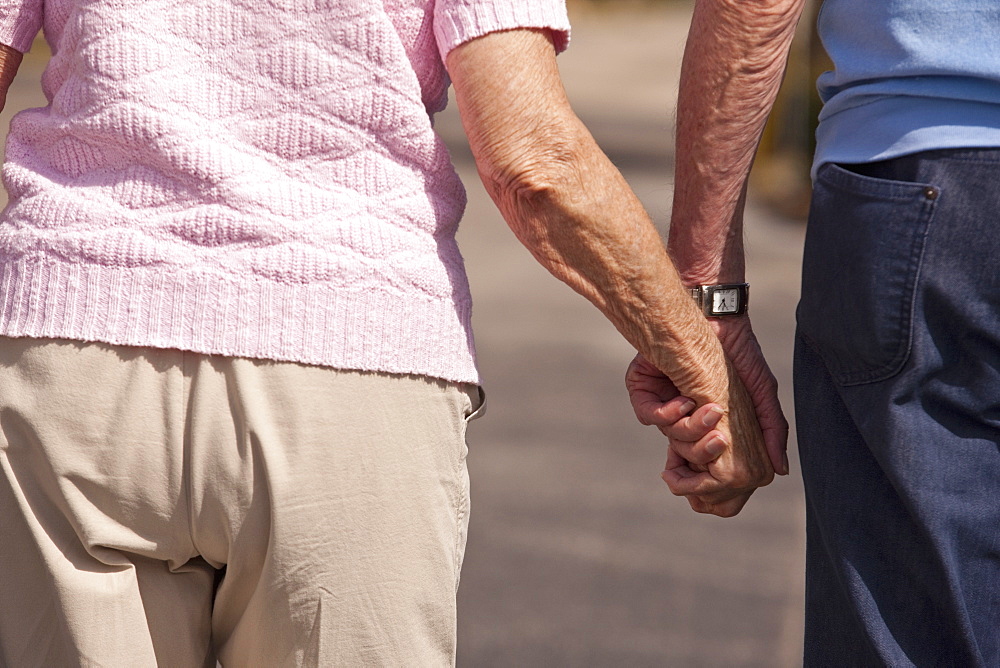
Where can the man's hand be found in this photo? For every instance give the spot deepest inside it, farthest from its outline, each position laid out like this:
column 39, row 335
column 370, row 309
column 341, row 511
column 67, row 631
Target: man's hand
column 743, row 351
column 716, row 469
column 733, row 63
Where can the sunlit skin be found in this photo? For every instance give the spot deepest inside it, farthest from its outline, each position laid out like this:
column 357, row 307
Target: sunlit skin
column 733, row 63
column 10, row 60
column 568, row 204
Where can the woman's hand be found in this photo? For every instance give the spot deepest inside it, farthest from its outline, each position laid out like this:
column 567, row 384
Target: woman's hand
column 715, row 457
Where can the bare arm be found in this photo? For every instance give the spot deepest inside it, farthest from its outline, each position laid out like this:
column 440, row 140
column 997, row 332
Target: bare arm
column 733, row 64
column 10, row 60
column 573, row 210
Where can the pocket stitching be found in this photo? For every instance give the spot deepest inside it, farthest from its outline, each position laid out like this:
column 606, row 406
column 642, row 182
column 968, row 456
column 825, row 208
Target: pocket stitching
column 915, row 265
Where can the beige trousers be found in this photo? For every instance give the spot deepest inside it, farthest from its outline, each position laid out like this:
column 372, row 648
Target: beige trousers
column 159, row 507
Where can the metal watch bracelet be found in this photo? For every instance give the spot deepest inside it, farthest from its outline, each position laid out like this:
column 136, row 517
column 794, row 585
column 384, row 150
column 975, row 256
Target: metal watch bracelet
column 722, row 300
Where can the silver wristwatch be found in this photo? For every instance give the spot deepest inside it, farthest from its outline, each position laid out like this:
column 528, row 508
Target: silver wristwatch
column 722, row 300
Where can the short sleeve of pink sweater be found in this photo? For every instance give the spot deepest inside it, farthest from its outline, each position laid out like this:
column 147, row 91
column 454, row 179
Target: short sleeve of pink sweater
column 20, row 21
column 458, row 21
column 251, row 178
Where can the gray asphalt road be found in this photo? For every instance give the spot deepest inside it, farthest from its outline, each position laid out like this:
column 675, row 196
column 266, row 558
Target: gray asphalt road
column 578, row 555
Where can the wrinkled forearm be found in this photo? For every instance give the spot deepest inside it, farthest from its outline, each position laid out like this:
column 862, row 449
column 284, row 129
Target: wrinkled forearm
column 572, row 209
column 733, row 64
column 10, row 60
column 579, row 218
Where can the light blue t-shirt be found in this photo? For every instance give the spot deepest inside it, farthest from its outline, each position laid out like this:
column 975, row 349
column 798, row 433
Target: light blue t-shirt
column 909, row 76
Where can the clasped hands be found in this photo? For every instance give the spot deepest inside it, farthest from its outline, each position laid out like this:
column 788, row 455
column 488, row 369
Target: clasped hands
column 720, row 452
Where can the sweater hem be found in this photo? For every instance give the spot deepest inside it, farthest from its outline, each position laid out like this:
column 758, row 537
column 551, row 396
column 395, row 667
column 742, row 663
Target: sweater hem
column 315, row 324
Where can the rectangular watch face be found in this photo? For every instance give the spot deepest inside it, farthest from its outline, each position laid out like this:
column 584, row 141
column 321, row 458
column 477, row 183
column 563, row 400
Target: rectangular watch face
column 725, row 301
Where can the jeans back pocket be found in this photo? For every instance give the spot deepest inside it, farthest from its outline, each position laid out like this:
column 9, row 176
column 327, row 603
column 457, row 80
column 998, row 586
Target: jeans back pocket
column 861, row 263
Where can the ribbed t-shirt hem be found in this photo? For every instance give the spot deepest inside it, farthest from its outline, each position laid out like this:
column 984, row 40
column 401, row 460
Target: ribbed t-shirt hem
column 370, row 330
column 893, row 126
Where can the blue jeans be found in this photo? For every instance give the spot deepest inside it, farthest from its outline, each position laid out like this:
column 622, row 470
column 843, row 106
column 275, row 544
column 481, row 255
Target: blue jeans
column 897, row 388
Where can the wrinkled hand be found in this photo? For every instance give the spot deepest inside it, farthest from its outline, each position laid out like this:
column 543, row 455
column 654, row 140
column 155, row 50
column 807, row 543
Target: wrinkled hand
column 744, row 353
column 716, row 472
column 657, row 401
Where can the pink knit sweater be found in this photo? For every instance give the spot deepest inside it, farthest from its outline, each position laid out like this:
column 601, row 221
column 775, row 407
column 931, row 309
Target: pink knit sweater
column 255, row 178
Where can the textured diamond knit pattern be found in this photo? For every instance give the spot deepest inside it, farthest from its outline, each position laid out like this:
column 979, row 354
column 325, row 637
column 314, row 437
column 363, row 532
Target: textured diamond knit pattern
column 245, row 177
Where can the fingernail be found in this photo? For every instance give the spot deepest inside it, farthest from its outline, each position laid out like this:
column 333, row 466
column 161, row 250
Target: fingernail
column 687, row 407
column 716, row 446
column 712, row 417
column 784, row 462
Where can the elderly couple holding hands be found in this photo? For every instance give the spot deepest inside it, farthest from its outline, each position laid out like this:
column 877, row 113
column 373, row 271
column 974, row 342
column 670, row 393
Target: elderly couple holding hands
column 236, row 362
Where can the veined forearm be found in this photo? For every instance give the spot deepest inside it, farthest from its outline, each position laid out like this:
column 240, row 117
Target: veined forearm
column 733, row 65
column 599, row 240
column 572, row 209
